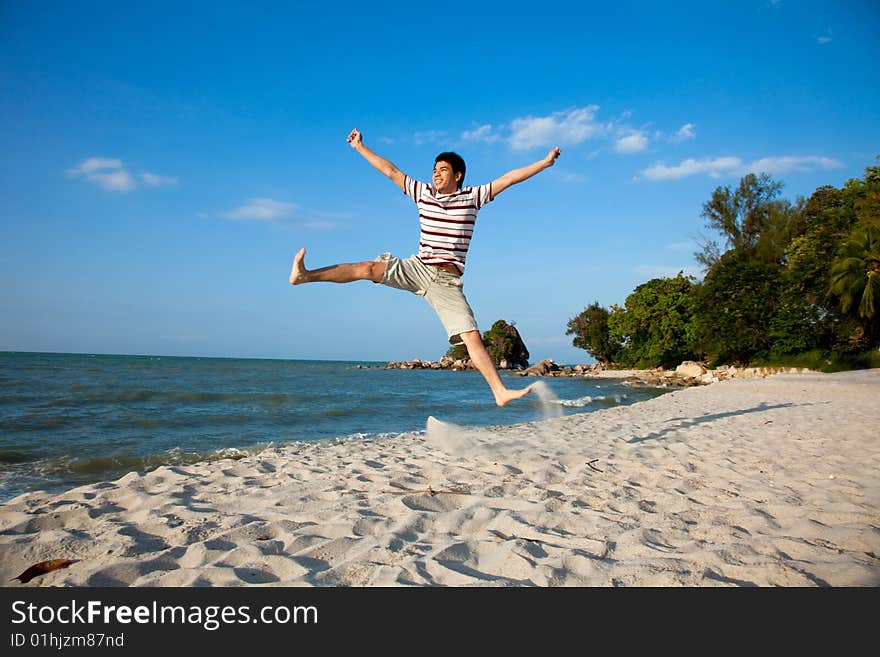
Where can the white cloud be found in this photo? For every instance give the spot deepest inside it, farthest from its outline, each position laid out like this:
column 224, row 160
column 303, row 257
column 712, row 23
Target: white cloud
column 684, row 133
column 92, row 164
column 117, row 181
column 484, row 133
column 822, row 40
column 558, row 129
column 691, row 167
column 106, row 172
column 634, row 142
column 429, row 137
column 734, row 165
column 788, row 163
column 154, row 180
column 261, row 209
column 110, row 174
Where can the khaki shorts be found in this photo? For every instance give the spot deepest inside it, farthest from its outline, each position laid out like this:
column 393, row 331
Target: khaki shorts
column 444, row 291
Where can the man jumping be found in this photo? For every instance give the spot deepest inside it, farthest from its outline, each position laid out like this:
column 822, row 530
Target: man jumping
column 447, row 213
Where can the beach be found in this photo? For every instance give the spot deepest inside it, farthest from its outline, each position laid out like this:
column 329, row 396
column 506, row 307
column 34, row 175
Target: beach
column 764, row 482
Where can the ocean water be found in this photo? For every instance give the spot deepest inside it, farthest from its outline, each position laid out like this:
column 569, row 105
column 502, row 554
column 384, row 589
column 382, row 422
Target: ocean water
column 72, row 419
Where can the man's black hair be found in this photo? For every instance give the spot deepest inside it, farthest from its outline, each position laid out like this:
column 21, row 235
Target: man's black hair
column 457, row 163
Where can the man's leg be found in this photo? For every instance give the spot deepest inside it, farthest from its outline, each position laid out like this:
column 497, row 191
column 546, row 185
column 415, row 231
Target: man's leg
column 344, row 273
column 483, row 362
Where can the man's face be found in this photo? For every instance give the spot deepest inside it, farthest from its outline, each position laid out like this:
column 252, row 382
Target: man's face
column 445, row 181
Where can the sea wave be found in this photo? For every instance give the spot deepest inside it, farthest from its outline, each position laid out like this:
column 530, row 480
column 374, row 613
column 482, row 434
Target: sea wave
column 127, row 463
column 70, row 470
column 374, row 436
column 587, row 400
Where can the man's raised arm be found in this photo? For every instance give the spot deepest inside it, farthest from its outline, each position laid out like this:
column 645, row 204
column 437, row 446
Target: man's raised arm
column 518, row 175
column 355, row 140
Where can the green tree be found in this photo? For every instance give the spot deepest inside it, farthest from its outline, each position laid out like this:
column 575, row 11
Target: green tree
column 735, row 306
column 751, row 221
column 654, row 327
column 799, row 325
column 823, row 222
column 458, row 352
column 816, row 210
column 807, row 317
column 502, row 341
column 855, row 276
column 590, row 331
column 866, row 202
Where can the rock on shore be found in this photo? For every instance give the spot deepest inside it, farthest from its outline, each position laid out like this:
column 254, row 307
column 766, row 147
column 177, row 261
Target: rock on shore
column 689, row 373
column 445, row 363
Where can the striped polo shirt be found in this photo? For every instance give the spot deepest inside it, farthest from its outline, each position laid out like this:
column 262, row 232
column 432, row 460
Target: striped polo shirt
column 446, row 220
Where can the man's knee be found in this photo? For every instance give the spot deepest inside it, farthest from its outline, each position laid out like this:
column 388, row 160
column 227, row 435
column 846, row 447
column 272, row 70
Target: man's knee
column 470, row 337
column 376, row 271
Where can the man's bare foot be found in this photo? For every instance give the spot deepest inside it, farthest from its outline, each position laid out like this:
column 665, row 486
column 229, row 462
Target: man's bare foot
column 298, row 271
column 509, row 395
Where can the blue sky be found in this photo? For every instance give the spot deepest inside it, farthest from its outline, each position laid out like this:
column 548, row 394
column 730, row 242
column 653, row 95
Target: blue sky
column 161, row 165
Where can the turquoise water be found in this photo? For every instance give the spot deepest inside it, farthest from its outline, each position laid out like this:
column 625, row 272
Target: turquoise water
column 71, row 419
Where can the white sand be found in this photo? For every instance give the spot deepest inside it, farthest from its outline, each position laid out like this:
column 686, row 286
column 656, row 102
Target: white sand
column 764, row 481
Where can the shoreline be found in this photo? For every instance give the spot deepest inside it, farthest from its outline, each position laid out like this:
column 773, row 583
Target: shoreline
column 766, row 481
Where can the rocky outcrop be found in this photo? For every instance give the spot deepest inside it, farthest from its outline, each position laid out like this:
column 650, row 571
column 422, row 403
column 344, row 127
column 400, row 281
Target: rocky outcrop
column 503, row 343
column 548, row 368
column 695, row 374
column 506, row 346
column 690, row 370
column 689, row 373
column 445, row 363
column 541, row 369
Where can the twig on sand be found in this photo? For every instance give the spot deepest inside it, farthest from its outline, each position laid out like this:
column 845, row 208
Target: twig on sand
column 590, row 463
column 505, row 537
column 501, row 536
column 430, row 491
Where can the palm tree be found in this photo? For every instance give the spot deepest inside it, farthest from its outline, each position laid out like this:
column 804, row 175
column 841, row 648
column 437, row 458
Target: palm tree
column 855, row 276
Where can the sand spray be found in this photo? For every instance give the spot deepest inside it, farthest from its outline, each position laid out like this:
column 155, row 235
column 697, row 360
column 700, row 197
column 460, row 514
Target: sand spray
column 549, row 401
column 451, row 438
column 459, row 439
